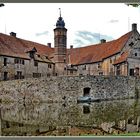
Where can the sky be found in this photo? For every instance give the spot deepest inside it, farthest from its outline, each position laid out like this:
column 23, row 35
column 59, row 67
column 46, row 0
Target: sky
column 87, row 23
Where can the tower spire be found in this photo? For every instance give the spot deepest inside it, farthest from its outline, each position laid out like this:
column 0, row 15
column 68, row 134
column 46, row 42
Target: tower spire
column 60, row 11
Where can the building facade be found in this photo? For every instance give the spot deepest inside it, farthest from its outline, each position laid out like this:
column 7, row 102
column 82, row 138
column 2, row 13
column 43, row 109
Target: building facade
column 25, row 59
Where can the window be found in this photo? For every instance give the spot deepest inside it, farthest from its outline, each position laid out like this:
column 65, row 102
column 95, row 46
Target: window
column 36, row 75
column 48, row 75
column 100, row 73
column 99, row 65
column 31, row 54
column 86, row 109
column 136, row 71
column 84, row 68
column 118, row 70
column 23, row 62
column 131, row 44
column 19, row 75
column 35, row 63
column 135, row 54
column 71, row 71
column 110, row 61
column 49, row 66
column 86, row 91
column 64, row 60
column 5, row 61
column 131, row 72
column 19, row 61
column 16, row 60
column 5, row 76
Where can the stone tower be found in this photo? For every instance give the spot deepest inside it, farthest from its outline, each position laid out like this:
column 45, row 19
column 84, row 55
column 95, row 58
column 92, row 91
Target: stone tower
column 60, row 44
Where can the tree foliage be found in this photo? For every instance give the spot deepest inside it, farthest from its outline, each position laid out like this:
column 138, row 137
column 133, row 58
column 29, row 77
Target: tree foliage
column 133, row 4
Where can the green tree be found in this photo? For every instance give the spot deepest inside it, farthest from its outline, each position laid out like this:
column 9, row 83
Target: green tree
column 133, row 4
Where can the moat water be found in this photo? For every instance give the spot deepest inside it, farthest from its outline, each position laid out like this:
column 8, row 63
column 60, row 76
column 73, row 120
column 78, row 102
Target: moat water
column 70, row 119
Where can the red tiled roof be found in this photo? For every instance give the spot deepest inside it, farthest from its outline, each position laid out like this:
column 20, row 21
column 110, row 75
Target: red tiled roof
column 98, row 52
column 16, row 47
column 122, row 58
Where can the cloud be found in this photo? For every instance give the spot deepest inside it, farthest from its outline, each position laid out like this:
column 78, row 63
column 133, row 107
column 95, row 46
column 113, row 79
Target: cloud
column 42, row 33
column 114, row 20
column 84, row 38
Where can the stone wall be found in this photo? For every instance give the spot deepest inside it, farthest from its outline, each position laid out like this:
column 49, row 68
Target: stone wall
column 27, row 68
column 69, row 88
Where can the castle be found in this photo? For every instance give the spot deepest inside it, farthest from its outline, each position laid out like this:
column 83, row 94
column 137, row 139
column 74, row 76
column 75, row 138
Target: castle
column 26, row 59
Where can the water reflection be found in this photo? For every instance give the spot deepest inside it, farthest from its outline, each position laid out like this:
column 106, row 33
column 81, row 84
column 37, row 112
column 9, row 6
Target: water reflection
column 111, row 117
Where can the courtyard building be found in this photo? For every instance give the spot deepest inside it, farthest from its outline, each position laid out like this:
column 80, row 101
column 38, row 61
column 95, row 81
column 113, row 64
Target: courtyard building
column 21, row 58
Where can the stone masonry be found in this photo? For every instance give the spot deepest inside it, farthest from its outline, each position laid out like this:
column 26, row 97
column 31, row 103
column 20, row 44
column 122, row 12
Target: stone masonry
column 69, row 88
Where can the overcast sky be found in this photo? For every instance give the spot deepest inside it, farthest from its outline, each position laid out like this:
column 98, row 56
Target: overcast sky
column 87, row 23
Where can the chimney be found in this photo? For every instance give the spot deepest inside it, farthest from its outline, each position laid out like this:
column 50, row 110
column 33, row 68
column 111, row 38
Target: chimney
column 49, row 45
column 13, row 34
column 134, row 27
column 103, row 41
column 71, row 46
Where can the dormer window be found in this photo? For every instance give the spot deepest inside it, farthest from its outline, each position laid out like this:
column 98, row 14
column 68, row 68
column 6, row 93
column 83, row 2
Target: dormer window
column 31, row 52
